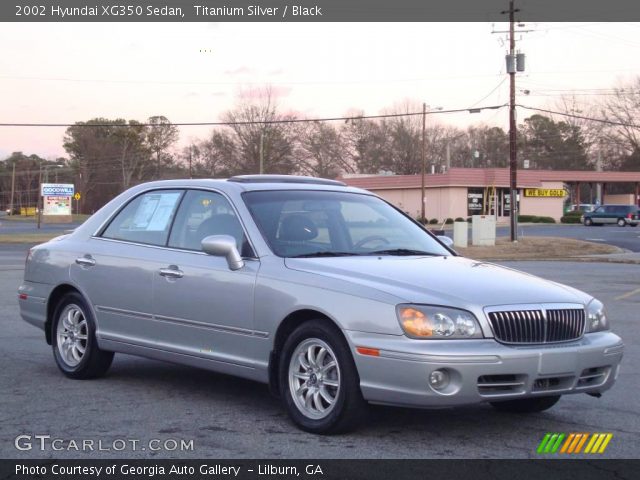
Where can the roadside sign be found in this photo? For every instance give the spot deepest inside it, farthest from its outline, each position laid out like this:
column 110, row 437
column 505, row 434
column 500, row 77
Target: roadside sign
column 544, row 192
column 77, row 196
column 57, row 189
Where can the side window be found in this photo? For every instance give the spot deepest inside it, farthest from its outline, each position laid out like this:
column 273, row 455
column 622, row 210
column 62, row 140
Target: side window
column 302, row 229
column 146, row 219
column 202, row 214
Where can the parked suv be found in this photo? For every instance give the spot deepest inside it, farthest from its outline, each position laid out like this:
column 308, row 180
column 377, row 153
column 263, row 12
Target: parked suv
column 329, row 294
column 621, row 215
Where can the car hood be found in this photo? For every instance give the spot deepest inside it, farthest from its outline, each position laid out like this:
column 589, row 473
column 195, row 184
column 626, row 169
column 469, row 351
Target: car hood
column 454, row 281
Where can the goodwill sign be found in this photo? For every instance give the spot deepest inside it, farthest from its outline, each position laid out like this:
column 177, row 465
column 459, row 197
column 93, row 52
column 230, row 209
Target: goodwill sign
column 57, row 189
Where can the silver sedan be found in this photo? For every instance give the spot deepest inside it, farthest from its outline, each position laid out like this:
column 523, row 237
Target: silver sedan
column 329, row 294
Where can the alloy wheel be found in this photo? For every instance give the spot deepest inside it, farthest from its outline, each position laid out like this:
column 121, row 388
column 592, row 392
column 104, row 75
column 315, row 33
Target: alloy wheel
column 72, row 335
column 314, row 378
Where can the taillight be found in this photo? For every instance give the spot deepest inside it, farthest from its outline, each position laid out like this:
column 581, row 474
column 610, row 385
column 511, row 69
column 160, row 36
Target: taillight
column 629, row 216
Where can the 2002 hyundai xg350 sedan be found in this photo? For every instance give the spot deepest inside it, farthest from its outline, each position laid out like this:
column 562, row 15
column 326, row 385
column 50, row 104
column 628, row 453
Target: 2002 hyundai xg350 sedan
column 328, row 293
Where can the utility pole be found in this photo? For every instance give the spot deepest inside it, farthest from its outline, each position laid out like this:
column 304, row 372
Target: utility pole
column 13, row 189
column 599, row 169
column 513, row 163
column 261, row 152
column 515, row 63
column 190, row 161
column 423, row 158
column 39, row 203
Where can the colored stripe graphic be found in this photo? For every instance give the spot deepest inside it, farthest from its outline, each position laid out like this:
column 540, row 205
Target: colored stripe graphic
column 573, row 443
column 550, row 443
column 543, row 443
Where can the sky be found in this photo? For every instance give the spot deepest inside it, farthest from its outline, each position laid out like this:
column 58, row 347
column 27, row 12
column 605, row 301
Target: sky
column 193, row 72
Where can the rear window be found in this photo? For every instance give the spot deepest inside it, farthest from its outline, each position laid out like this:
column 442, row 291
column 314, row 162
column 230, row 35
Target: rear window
column 146, row 219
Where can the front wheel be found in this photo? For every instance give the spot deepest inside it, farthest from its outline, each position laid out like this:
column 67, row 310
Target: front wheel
column 621, row 222
column 588, row 222
column 319, row 381
column 527, row 405
column 75, row 348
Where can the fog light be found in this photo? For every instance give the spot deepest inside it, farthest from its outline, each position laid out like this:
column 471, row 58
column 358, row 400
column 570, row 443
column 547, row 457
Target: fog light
column 439, row 379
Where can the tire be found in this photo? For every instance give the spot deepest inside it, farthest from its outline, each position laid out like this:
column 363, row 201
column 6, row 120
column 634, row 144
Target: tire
column 342, row 401
column 621, row 222
column 73, row 323
column 588, row 222
column 527, row 405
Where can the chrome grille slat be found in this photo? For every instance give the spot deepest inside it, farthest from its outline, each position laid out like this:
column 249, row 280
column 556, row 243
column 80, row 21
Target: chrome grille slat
column 529, row 326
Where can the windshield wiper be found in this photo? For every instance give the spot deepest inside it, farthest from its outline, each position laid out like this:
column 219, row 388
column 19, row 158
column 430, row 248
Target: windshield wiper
column 404, row 252
column 324, row 253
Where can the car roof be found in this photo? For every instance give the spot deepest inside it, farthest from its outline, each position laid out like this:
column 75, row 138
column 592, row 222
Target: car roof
column 245, row 183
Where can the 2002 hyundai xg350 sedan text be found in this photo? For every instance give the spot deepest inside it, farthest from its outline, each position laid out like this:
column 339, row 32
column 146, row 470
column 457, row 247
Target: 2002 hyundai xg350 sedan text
column 328, row 293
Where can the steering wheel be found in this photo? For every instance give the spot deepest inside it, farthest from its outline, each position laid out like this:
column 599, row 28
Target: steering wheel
column 371, row 238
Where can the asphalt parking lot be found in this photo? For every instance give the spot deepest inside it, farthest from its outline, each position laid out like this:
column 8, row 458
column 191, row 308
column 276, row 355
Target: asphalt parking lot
column 623, row 237
column 233, row 418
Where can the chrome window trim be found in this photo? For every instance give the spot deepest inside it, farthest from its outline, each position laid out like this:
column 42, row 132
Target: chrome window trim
column 173, row 249
column 103, row 226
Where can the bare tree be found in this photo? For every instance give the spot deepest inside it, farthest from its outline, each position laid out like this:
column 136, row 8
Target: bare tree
column 218, row 153
column 320, row 150
column 577, row 114
column 263, row 144
column 365, row 143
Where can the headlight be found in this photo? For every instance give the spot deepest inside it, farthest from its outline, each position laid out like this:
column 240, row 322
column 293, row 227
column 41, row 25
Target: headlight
column 596, row 317
column 431, row 322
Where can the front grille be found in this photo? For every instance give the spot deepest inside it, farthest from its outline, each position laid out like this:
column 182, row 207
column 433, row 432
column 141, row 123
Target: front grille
column 537, row 326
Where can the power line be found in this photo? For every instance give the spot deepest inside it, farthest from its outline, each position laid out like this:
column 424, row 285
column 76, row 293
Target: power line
column 260, row 122
column 491, row 92
column 582, row 117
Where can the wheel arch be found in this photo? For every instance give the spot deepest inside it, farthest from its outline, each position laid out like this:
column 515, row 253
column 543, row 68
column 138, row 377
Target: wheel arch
column 54, row 299
column 288, row 325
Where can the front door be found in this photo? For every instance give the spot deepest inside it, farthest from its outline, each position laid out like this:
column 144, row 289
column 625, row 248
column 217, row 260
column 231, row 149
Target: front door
column 203, row 308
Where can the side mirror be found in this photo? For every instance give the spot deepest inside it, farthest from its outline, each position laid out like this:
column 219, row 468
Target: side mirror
column 223, row 246
column 446, row 240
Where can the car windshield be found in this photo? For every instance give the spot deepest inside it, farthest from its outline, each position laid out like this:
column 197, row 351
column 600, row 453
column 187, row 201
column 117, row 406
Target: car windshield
column 305, row 223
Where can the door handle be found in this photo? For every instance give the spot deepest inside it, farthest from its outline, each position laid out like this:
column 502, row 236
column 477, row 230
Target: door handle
column 171, row 271
column 86, row 261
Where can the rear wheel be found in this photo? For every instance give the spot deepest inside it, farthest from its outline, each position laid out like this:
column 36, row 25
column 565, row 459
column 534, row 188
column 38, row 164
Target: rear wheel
column 527, row 405
column 319, row 382
column 588, row 222
column 75, row 348
column 621, row 222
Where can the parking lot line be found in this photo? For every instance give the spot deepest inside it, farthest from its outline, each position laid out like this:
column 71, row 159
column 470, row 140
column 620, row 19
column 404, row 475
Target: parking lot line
column 628, row 294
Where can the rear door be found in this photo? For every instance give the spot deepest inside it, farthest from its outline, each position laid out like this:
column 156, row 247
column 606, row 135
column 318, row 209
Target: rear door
column 117, row 267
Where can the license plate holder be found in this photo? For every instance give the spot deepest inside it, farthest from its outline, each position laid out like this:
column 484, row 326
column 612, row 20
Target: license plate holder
column 550, row 363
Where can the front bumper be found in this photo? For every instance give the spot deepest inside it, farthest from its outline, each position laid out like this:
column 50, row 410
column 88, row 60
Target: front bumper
column 482, row 370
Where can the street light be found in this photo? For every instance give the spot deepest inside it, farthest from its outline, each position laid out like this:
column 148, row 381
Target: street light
column 46, row 172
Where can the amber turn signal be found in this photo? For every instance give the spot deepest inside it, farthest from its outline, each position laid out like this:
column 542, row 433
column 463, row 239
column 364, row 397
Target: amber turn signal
column 415, row 322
